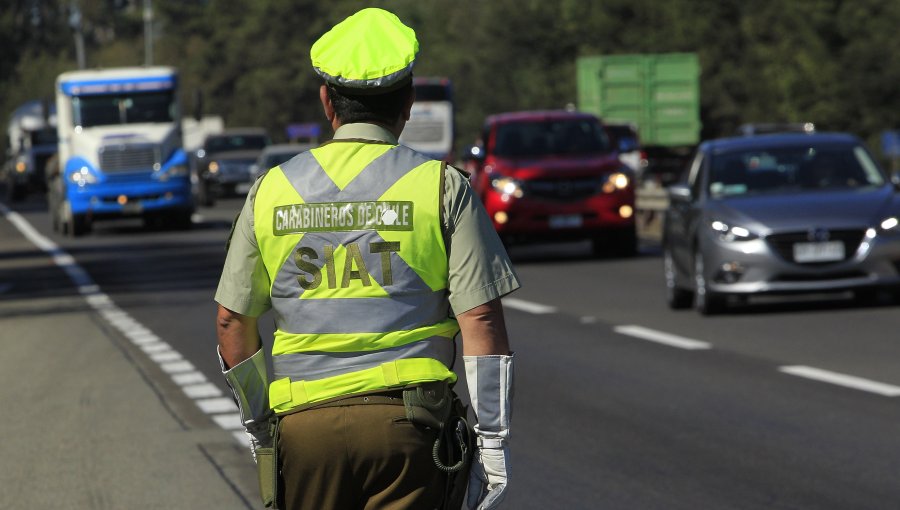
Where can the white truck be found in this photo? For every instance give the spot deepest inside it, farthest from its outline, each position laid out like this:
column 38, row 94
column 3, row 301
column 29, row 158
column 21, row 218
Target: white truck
column 120, row 149
column 32, row 141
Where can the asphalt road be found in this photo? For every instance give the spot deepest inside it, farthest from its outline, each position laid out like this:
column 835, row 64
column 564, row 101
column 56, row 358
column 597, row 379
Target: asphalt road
column 620, row 402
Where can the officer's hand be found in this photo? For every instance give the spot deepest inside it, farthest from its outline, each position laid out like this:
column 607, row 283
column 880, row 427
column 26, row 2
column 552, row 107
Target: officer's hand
column 487, row 480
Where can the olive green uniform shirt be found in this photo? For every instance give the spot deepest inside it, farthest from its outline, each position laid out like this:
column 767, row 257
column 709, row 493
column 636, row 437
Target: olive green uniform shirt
column 479, row 268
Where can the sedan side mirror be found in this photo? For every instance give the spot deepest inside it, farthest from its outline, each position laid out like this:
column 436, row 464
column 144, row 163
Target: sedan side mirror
column 680, row 193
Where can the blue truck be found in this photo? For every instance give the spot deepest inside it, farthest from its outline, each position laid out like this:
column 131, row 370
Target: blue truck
column 120, row 150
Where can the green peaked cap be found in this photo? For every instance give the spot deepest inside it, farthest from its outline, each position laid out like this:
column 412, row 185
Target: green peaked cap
column 371, row 51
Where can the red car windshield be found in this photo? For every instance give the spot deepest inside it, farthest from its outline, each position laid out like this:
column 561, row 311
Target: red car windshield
column 560, row 137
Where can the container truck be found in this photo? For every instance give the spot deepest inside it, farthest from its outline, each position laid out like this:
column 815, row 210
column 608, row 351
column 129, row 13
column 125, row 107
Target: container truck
column 657, row 93
column 32, row 142
column 120, row 150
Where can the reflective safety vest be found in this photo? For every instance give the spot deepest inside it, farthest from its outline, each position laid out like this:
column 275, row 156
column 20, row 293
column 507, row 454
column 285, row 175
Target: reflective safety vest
column 350, row 234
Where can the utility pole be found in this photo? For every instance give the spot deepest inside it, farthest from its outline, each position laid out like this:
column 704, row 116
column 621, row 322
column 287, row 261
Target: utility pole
column 148, row 32
column 75, row 23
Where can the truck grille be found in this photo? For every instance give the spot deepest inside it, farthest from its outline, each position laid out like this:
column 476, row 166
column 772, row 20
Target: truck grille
column 783, row 244
column 128, row 158
column 562, row 189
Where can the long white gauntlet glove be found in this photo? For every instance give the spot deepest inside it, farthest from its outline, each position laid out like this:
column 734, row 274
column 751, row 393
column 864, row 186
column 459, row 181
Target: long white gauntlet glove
column 249, row 385
column 490, row 381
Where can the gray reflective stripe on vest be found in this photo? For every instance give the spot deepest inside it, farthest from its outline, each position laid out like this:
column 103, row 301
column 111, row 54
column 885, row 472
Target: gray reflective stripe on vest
column 411, row 303
column 319, row 365
column 369, row 315
column 314, row 185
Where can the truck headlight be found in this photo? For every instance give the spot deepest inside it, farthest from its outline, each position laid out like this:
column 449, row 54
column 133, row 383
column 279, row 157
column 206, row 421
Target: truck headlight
column 83, row 177
column 731, row 233
column 507, row 186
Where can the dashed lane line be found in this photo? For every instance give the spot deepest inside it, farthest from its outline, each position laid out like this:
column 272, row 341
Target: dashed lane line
column 205, row 395
column 845, row 380
column 671, row 340
column 662, row 337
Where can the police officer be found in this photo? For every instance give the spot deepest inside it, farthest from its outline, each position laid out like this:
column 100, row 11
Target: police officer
column 372, row 258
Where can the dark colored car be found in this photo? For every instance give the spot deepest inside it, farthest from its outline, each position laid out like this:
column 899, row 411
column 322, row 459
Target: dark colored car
column 224, row 164
column 778, row 214
column 554, row 175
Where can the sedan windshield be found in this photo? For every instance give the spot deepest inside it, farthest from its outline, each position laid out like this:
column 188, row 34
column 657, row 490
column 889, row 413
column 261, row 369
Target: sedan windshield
column 800, row 168
column 551, row 138
column 236, row 143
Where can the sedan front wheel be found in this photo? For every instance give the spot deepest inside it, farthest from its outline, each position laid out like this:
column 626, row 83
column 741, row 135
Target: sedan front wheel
column 706, row 301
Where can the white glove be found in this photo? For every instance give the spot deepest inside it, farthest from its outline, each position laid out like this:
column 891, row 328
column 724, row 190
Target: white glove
column 490, row 381
column 249, row 384
column 487, row 478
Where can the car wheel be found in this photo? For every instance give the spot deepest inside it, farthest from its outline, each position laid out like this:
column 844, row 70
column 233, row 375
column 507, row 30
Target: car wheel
column 677, row 297
column 706, row 301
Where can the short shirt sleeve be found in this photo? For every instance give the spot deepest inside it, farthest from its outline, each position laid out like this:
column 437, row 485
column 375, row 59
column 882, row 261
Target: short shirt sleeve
column 244, row 284
column 480, row 269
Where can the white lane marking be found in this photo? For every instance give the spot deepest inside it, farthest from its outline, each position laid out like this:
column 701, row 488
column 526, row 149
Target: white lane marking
column 662, row 337
column 207, row 396
column 845, row 380
column 528, row 306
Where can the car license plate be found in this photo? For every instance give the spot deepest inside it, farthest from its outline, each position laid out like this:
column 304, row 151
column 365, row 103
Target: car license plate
column 565, row 221
column 819, row 252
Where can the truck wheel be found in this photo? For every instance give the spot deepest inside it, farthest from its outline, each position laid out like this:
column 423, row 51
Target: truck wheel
column 14, row 192
column 73, row 225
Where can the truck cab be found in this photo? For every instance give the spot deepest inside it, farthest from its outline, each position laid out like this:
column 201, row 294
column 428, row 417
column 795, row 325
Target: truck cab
column 120, row 149
column 32, row 142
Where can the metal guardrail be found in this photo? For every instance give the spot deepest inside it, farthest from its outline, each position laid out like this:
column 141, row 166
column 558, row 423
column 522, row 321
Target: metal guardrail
column 651, row 203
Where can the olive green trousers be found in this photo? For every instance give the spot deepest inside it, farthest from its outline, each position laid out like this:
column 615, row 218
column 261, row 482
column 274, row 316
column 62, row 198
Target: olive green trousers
column 363, row 456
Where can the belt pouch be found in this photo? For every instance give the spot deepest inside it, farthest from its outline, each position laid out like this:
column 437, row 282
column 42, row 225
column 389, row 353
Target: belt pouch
column 429, row 404
column 268, row 472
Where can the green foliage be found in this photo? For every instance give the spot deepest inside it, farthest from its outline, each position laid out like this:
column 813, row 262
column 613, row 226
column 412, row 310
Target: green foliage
column 825, row 61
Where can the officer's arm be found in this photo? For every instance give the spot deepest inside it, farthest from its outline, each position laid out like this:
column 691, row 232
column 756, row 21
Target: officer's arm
column 238, row 336
column 484, row 330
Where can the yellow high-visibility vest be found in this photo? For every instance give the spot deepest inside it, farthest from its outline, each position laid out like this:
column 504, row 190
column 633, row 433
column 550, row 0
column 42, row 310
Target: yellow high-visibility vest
column 350, row 234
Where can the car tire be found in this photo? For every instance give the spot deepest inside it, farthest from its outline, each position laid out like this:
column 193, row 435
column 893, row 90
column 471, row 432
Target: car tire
column 677, row 298
column 706, row 301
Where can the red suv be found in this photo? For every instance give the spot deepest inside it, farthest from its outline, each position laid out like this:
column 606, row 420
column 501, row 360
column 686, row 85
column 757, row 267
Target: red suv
column 553, row 175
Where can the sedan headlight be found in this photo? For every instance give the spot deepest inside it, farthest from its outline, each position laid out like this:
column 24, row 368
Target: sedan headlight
column 731, row 233
column 213, row 167
column 507, row 186
column 615, row 182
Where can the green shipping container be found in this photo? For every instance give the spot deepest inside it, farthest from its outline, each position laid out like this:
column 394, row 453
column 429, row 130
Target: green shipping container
column 660, row 93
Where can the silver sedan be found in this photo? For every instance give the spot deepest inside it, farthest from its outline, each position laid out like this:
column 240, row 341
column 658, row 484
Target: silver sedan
column 777, row 214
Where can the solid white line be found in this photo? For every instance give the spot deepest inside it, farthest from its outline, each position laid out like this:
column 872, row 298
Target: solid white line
column 216, row 405
column 528, row 306
column 228, row 421
column 207, row 396
column 662, row 337
column 203, row 390
column 847, row 381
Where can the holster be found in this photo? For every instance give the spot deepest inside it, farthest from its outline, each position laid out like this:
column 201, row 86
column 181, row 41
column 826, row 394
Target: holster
column 435, row 405
column 269, row 470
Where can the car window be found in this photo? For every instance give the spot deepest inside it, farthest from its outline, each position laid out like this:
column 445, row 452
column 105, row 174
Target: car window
column 236, row 143
column 792, row 169
column 581, row 136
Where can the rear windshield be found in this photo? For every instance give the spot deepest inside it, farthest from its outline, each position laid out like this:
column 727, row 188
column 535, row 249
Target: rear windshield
column 800, row 168
column 551, row 138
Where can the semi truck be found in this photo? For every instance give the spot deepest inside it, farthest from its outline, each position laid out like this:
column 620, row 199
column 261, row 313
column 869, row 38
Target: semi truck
column 32, row 142
column 120, row 150
column 659, row 94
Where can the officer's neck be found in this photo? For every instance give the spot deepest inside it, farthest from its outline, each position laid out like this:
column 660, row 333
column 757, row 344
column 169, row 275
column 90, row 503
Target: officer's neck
column 395, row 129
